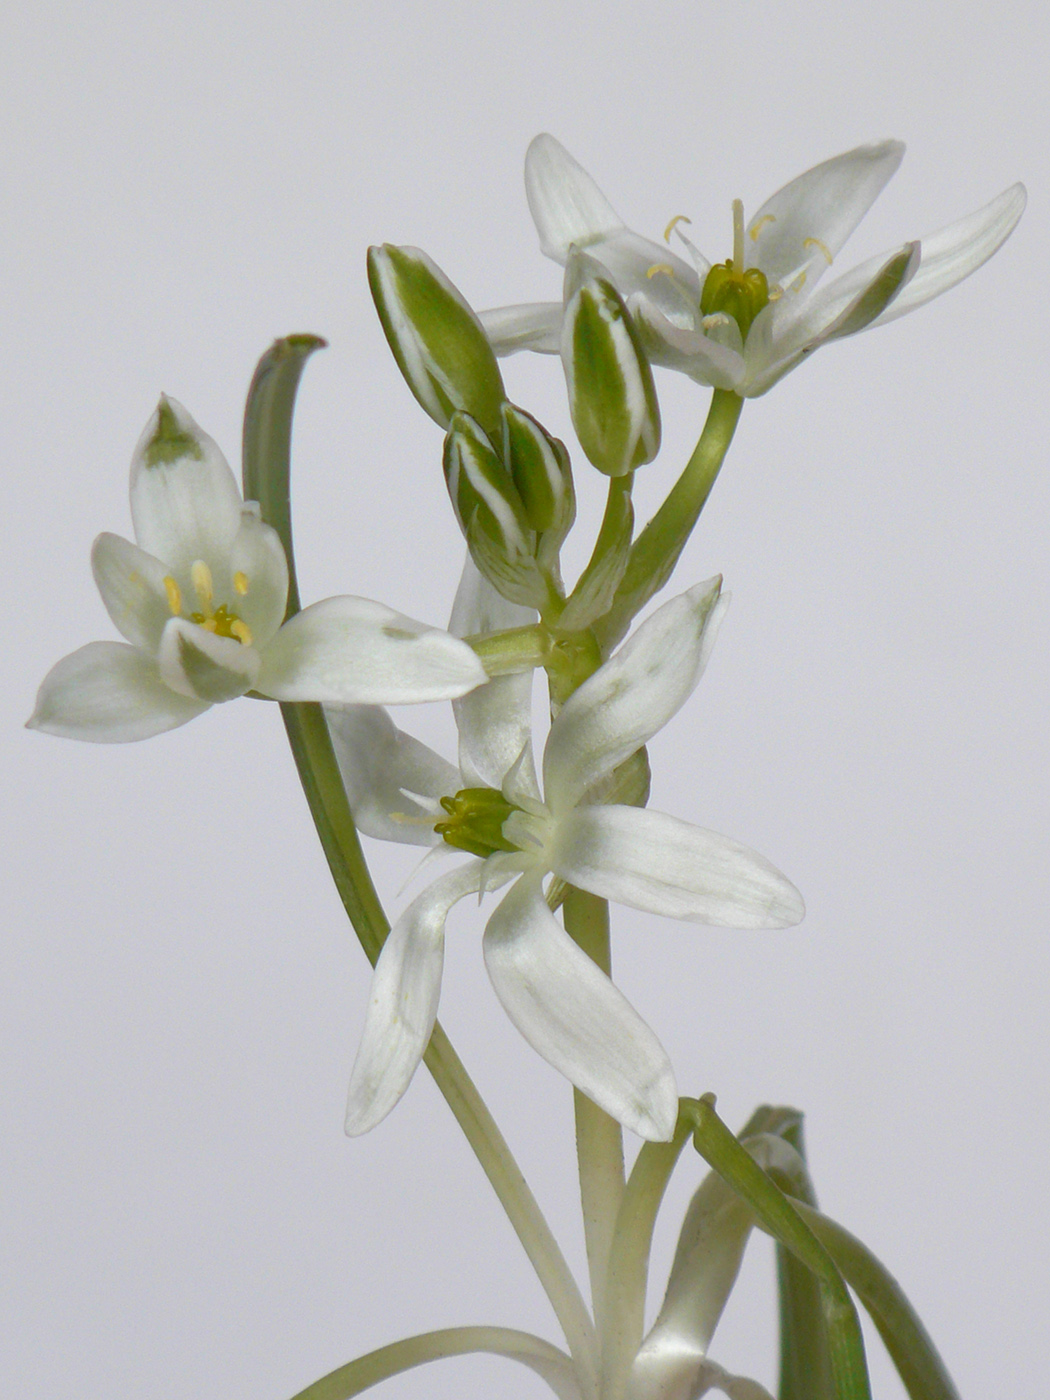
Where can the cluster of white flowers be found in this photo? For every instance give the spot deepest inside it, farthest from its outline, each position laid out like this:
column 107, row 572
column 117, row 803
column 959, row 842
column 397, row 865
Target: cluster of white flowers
column 202, row 600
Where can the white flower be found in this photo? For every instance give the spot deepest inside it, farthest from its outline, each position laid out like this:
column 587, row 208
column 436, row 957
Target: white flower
column 564, row 1006
column 201, row 600
column 742, row 326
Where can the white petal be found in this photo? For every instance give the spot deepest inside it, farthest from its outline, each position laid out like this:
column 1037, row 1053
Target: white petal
column 567, row 206
column 495, row 720
column 954, row 252
column 686, row 349
column 406, row 985
column 826, row 204
column 666, row 866
column 131, row 583
column 630, row 261
column 381, row 767
column 255, row 585
column 203, row 666
column 109, row 693
column 572, row 1015
column 533, row 326
column 632, row 695
column 357, row 652
column 184, row 507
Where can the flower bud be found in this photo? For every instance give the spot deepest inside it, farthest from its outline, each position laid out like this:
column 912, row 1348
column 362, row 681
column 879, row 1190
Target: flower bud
column 539, row 467
column 491, row 514
column 436, row 338
column 611, row 391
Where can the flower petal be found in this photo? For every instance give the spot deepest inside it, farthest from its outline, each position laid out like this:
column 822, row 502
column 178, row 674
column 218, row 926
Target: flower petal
column 805, row 224
column 382, row 768
column 495, row 720
column 535, row 325
column 109, row 693
column 632, row 695
column 686, row 349
column 184, row 499
column 572, row 1015
column 357, row 652
column 567, row 206
column 257, row 576
column 640, row 267
column 406, row 985
column 959, row 249
column 666, row 866
column 131, row 583
column 203, row 666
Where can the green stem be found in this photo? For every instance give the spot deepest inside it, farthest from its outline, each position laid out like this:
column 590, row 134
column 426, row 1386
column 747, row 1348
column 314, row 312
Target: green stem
column 358, row 1375
column 628, row 1276
column 656, row 551
column 267, row 471
column 599, row 1137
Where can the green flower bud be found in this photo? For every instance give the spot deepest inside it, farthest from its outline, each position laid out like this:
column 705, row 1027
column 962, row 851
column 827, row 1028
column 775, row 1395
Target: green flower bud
column 611, row 392
column 436, row 338
column 539, row 467
column 491, row 514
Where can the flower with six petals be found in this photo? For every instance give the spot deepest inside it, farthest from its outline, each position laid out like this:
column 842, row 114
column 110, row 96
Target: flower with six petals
column 743, row 324
column 491, row 805
column 201, row 601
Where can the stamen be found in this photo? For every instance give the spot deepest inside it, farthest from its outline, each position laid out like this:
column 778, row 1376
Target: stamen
column 665, row 268
column 208, row 624
column 203, row 585
column 817, row 243
column 678, row 219
column 760, row 225
column 171, row 588
column 240, row 583
column 775, row 292
column 241, row 631
column 717, row 318
column 738, row 234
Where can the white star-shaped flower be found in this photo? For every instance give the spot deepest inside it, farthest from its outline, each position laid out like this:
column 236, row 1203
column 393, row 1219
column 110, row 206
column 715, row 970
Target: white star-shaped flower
column 564, row 1006
column 201, row 600
column 743, row 324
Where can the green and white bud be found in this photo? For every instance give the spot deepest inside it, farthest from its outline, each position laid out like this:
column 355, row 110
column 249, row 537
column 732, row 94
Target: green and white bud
column 539, row 467
column 436, row 338
column 491, row 513
column 611, row 392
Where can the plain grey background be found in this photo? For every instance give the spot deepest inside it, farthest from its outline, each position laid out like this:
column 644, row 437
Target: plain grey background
column 181, row 1213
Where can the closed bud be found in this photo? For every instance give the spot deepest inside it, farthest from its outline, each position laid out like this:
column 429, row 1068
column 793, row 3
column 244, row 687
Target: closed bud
column 491, row 514
column 436, row 338
column 611, row 392
column 539, row 467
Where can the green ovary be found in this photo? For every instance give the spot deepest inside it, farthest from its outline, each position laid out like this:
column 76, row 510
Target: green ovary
column 475, row 821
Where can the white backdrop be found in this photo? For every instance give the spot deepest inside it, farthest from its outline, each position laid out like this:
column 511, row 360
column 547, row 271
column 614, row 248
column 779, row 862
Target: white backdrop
column 181, row 1213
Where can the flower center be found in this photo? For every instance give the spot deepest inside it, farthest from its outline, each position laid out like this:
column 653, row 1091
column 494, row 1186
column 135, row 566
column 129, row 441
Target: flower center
column 221, row 620
column 475, row 821
column 733, row 289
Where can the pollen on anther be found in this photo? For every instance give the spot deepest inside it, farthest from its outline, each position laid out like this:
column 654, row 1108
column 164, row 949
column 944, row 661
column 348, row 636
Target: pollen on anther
column 240, row 583
column 241, row 631
column 657, row 268
column 678, row 219
column 819, row 243
column 203, row 585
column 171, row 588
column 760, row 224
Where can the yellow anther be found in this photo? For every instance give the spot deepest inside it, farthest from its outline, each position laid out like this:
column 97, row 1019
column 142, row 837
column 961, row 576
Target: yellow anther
column 203, row 585
column 775, row 293
column 241, row 631
column 209, row 625
column 665, row 268
column 717, row 318
column 171, row 588
column 240, row 583
column 817, row 243
column 678, row 219
column 760, row 224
